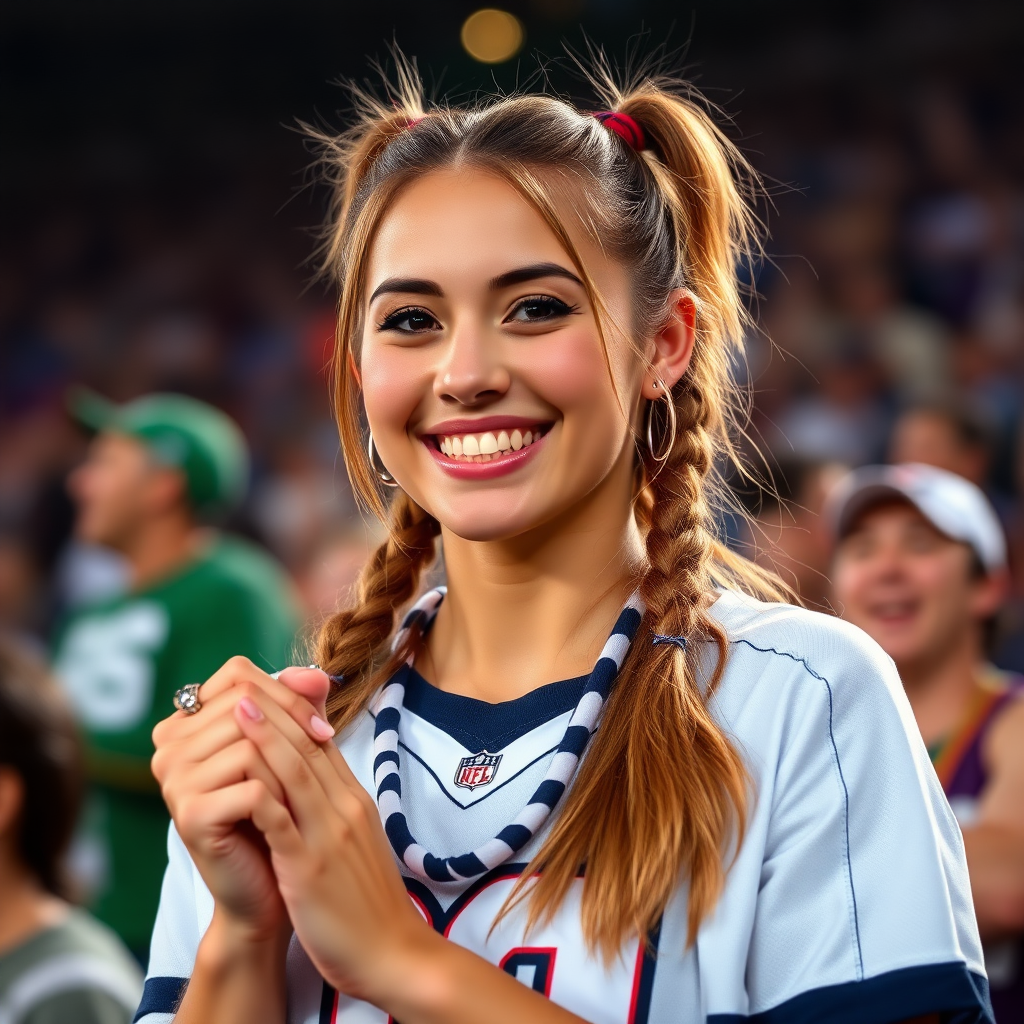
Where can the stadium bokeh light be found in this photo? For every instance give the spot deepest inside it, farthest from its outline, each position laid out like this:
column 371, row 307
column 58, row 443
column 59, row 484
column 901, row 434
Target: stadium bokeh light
column 492, row 36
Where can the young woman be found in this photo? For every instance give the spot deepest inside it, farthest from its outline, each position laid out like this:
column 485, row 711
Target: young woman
column 593, row 769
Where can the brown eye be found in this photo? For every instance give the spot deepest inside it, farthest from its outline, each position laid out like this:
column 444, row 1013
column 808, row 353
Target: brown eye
column 409, row 321
column 538, row 308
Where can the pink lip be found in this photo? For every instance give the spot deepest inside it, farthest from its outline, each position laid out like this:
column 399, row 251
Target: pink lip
column 507, row 463
column 480, row 425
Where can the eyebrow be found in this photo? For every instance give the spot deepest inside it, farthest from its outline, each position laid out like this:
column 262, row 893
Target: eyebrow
column 419, row 286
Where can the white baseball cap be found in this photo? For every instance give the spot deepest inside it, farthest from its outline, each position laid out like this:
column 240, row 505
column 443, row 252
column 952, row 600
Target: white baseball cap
column 953, row 505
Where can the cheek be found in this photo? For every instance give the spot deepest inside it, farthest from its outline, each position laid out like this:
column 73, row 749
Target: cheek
column 940, row 583
column 572, row 375
column 848, row 582
column 393, row 384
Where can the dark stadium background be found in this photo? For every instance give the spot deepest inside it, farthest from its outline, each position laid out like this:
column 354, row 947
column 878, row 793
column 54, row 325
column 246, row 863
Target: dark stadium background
column 156, row 226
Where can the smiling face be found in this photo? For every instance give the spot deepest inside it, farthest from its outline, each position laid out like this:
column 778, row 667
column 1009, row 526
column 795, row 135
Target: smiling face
column 911, row 588
column 489, row 395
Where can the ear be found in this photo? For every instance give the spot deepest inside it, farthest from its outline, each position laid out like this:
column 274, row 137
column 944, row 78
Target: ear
column 673, row 346
column 167, row 487
column 990, row 593
column 12, row 796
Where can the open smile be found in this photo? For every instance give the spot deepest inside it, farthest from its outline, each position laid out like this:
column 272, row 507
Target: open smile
column 485, row 448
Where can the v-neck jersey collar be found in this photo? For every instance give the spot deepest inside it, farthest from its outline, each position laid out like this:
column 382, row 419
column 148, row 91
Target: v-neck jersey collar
column 479, row 725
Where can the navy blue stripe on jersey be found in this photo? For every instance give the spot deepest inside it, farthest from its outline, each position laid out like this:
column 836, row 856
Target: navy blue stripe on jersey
column 575, row 739
column 387, row 719
column 515, row 836
column 393, row 782
column 949, row 989
column 383, row 757
column 436, row 868
column 548, row 792
column 478, row 725
column 161, row 995
column 397, row 830
column 468, row 865
column 387, row 710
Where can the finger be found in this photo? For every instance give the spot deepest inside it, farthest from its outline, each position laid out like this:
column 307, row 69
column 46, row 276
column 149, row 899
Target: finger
column 203, row 814
column 300, row 765
column 321, row 801
column 185, row 747
column 235, row 763
column 276, row 823
column 312, row 683
column 221, row 699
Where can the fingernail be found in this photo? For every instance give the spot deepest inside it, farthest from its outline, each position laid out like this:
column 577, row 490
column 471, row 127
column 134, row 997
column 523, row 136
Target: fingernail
column 250, row 710
column 320, row 728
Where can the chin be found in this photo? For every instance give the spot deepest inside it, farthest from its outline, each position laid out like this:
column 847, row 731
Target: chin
column 484, row 531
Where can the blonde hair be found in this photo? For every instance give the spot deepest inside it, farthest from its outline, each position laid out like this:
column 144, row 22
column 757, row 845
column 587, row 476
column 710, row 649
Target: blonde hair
column 676, row 215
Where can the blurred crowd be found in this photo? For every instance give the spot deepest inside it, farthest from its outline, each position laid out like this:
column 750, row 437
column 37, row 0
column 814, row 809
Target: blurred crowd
column 892, row 327
column 132, row 298
column 890, row 317
column 892, row 310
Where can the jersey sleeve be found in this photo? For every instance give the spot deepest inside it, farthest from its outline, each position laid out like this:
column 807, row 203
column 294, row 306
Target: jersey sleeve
column 180, row 923
column 863, row 911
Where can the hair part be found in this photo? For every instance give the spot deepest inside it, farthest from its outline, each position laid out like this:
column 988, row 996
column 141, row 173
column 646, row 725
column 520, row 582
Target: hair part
column 675, row 215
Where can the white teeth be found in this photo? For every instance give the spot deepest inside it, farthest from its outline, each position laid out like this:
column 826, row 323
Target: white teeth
column 486, row 446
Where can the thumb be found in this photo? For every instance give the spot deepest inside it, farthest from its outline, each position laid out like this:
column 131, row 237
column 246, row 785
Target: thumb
column 311, row 683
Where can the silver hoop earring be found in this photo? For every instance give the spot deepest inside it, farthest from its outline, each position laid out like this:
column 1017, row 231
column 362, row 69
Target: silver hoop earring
column 382, row 474
column 670, row 408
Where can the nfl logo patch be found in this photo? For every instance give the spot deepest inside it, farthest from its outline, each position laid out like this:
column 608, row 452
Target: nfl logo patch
column 477, row 770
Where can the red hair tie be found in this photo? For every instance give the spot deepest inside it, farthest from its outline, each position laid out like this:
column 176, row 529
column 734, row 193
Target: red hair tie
column 624, row 126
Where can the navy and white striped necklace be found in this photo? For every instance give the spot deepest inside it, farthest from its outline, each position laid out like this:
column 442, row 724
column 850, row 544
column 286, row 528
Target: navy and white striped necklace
column 387, row 709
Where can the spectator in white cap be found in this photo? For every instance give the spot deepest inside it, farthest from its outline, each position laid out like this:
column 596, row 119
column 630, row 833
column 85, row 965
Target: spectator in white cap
column 920, row 565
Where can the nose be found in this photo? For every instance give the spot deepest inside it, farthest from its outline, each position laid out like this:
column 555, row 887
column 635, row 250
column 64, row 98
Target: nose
column 472, row 372
column 889, row 564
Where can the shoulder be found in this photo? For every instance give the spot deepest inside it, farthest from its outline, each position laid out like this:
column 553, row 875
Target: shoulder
column 1004, row 740
column 79, row 963
column 234, row 567
column 791, row 643
column 798, row 685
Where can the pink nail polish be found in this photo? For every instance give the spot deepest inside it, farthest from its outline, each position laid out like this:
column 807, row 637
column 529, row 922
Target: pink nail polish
column 250, row 710
column 321, row 729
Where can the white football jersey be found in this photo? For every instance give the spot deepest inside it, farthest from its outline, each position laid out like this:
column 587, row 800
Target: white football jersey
column 848, row 901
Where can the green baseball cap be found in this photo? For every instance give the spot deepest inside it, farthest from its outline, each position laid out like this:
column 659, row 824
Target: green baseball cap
column 182, row 433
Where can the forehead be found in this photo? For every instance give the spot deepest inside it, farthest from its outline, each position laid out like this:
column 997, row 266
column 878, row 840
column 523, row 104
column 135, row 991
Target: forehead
column 469, row 224
column 113, row 443
column 892, row 515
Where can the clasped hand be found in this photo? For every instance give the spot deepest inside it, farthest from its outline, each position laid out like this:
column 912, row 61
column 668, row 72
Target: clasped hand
column 280, row 829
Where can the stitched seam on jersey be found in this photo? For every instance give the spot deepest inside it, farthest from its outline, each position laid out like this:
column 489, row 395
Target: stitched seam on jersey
column 846, row 792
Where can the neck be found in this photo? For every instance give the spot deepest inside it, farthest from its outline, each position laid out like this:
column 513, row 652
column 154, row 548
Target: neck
column 161, row 546
column 940, row 686
column 25, row 907
column 534, row 609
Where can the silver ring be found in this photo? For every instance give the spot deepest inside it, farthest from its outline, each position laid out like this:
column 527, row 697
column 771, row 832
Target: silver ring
column 187, row 698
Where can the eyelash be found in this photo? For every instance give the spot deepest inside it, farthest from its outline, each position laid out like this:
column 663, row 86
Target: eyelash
column 560, row 309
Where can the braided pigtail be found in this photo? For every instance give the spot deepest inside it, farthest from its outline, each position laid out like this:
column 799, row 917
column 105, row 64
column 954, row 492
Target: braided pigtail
column 634, row 819
column 353, row 644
